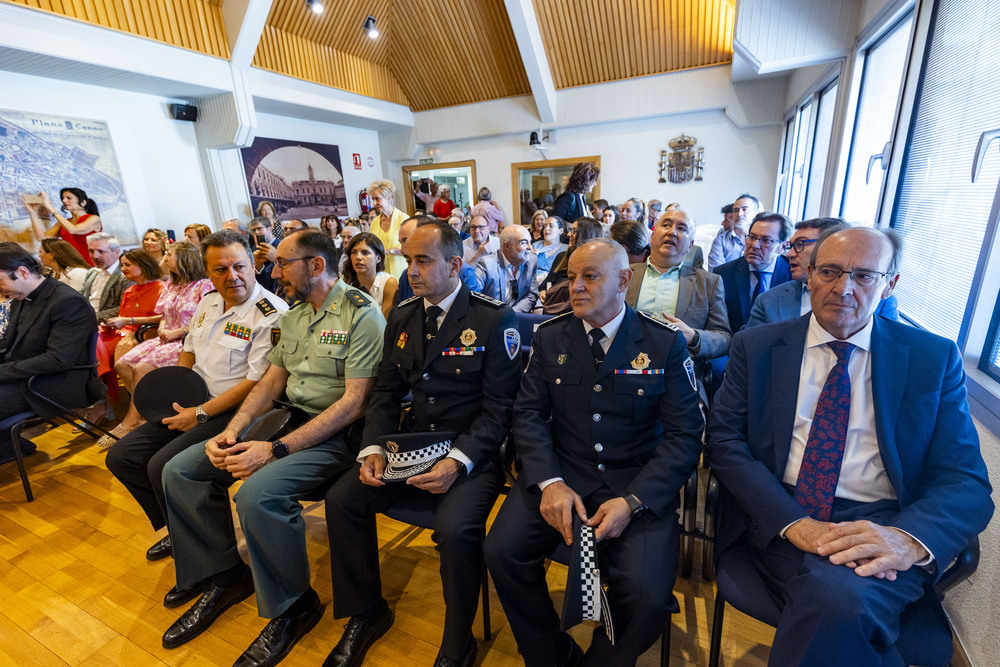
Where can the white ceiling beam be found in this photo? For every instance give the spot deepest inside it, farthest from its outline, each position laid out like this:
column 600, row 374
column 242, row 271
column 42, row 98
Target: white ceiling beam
column 244, row 21
column 536, row 63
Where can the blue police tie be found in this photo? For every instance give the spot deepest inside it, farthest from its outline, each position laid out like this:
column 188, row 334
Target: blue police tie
column 760, row 285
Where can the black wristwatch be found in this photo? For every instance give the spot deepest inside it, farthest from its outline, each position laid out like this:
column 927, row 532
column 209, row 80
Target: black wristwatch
column 201, row 415
column 638, row 509
column 279, row 450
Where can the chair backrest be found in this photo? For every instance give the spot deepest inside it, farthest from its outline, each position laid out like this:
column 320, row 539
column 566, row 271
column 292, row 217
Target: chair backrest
column 526, row 325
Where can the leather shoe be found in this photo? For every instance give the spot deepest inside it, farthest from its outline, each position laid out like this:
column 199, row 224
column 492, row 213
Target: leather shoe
column 466, row 660
column 575, row 658
column 280, row 635
column 175, row 598
column 358, row 636
column 214, row 601
column 160, row 550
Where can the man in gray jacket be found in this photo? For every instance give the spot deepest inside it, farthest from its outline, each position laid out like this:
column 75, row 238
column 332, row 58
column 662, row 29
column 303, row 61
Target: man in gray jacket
column 105, row 284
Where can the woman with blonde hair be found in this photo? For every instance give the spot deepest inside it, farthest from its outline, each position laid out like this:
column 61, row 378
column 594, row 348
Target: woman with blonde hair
column 196, row 233
column 386, row 225
column 67, row 265
column 154, row 241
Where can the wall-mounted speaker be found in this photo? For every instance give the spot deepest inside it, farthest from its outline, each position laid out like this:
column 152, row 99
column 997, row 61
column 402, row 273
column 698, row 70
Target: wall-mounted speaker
column 184, row 112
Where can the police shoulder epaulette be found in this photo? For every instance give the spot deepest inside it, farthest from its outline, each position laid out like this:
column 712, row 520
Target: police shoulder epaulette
column 490, row 300
column 265, row 307
column 358, row 298
column 406, row 302
column 554, row 319
column 667, row 325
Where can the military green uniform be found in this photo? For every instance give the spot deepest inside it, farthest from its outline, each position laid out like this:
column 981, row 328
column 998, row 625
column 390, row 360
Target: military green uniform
column 320, row 350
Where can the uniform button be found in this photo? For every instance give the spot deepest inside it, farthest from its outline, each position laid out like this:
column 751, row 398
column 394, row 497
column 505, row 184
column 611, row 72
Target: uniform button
column 558, row 380
column 430, row 399
column 597, row 387
column 600, row 466
column 641, row 392
column 426, row 376
column 458, row 371
column 302, row 381
column 597, row 417
column 305, row 358
column 598, row 447
column 433, row 427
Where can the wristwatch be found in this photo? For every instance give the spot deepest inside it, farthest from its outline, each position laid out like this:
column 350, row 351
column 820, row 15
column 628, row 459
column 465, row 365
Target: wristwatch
column 279, row 450
column 638, row 509
column 201, row 415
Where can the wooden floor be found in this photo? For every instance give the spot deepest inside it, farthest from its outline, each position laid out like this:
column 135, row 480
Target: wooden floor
column 75, row 588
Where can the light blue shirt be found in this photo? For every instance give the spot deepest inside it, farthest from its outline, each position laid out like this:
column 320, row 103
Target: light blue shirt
column 658, row 294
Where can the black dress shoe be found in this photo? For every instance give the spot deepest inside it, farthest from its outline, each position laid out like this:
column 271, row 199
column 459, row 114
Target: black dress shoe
column 358, row 636
column 280, row 635
column 575, row 658
column 214, row 601
column 466, row 660
column 175, row 598
column 160, row 550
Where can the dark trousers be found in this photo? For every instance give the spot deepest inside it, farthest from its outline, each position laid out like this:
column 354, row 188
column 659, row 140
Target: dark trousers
column 830, row 615
column 640, row 566
column 12, row 402
column 459, row 528
column 137, row 460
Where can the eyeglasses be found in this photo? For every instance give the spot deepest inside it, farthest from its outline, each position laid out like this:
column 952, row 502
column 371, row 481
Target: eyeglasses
column 765, row 242
column 861, row 277
column 282, row 263
column 798, row 246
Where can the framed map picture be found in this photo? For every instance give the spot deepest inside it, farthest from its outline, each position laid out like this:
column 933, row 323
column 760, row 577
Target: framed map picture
column 303, row 180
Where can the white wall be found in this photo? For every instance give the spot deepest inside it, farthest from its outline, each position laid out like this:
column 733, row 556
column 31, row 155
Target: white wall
column 736, row 160
column 158, row 156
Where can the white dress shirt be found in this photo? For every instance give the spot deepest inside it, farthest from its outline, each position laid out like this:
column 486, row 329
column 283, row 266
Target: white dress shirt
column 100, row 281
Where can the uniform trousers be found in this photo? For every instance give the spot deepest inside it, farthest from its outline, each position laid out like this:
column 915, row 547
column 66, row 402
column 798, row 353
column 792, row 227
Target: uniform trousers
column 201, row 523
column 640, row 566
column 137, row 460
column 830, row 615
column 459, row 528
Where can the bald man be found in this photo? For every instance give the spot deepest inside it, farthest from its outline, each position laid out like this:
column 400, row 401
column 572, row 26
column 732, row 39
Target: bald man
column 508, row 274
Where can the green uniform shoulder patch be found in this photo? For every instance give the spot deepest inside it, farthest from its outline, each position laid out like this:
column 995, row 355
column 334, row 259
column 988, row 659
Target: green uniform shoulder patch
column 486, row 299
column 265, row 307
column 358, row 298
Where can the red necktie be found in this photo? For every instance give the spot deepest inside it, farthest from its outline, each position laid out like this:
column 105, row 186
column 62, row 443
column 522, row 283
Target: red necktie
column 824, row 452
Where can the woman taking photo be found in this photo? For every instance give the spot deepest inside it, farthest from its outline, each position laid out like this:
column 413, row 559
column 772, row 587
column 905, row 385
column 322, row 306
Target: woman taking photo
column 154, row 241
column 266, row 209
column 66, row 263
column 84, row 219
column 386, row 225
column 364, row 269
column 177, row 303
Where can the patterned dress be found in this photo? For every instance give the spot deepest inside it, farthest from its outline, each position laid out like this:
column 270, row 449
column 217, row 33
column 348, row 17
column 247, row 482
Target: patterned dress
column 177, row 305
column 137, row 301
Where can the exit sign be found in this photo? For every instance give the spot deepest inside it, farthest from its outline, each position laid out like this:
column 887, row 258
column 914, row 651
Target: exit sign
column 426, row 160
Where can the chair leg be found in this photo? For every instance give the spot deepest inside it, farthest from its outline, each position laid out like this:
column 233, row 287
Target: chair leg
column 487, row 631
column 15, row 440
column 716, row 638
column 665, row 642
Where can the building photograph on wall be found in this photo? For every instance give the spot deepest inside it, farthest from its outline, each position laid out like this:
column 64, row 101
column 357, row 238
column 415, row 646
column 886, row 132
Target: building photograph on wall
column 303, row 180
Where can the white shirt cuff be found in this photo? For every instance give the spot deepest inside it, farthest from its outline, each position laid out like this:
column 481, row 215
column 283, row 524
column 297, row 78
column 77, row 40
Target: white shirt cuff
column 542, row 485
column 782, row 533
column 368, row 451
column 459, row 456
column 930, row 555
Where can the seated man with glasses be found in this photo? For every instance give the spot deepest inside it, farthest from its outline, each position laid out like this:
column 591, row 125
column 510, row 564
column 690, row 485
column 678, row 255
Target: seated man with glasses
column 480, row 242
column 853, row 476
column 791, row 300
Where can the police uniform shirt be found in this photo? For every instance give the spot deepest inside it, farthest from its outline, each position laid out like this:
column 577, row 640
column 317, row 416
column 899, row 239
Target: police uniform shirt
column 232, row 345
column 321, row 349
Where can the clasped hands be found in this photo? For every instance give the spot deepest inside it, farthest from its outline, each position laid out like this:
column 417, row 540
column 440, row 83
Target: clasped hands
column 866, row 547
column 438, row 479
column 240, row 459
column 559, row 502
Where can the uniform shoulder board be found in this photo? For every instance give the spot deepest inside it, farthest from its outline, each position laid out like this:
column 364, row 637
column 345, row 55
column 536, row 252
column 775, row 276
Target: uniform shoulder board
column 553, row 319
column 296, row 304
column 668, row 325
column 358, row 298
column 490, row 300
column 406, row 302
column 265, row 307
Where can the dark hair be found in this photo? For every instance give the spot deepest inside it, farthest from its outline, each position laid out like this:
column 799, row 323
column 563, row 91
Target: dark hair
column 450, row 242
column 601, row 204
column 587, row 229
column 747, row 195
column 202, row 231
column 822, row 224
column 423, row 220
column 584, row 174
column 223, row 239
column 895, row 243
column 632, row 235
column 189, row 265
column 89, row 205
column 13, row 257
column 150, row 267
column 484, row 194
column 64, row 254
column 350, row 274
column 785, row 229
column 315, row 242
column 337, row 227
column 726, row 210
column 559, row 221
column 613, row 209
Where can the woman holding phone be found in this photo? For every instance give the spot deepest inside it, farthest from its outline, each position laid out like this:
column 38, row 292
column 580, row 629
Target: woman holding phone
column 83, row 219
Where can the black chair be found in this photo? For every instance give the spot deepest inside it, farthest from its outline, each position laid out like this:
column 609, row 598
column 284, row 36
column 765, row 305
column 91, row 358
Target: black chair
column 526, row 325
column 924, row 638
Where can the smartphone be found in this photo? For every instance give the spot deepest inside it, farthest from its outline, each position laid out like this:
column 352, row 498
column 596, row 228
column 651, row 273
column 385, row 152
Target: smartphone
column 32, row 199
column 260, row 238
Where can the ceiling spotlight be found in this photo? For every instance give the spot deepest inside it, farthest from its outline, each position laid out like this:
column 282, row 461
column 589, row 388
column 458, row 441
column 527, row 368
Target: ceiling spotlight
column 315, row 5
column 369, row 27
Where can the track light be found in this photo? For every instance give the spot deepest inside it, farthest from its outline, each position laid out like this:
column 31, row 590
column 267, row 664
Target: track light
column 315, row 5
column 369, row 27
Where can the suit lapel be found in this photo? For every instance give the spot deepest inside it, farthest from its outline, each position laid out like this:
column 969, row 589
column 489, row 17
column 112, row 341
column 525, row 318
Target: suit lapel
column 685, row 291
column 112, row 279
column 890, row 363
column 786, row 362
column 41, row 305
column 743, row 288
column 450, row 327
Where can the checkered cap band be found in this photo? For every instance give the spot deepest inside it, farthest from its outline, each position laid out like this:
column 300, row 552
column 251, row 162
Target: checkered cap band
column 590, row 575
column 429, row 453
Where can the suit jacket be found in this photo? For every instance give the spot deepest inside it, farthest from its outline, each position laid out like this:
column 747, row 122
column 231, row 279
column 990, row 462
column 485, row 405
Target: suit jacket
column 57, row 335
column 492, row 278
column 472, row 395
column 111, row 295
column 785, row 301
column 695, row 257
column 927, row 441
column 701, row 304
column 647, row 428
column 736, row 278
column 569, row 206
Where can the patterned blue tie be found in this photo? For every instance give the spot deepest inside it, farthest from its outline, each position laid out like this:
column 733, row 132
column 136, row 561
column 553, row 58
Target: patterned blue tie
column 824, row 452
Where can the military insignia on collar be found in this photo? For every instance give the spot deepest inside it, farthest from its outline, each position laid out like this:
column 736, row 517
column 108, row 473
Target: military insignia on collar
column 468, row 337
column 640, row 362
column 275, row 336
column 560, row 360
column 689, row 368
column 512, row 342
column 401, row 343
column 200, row 320
column 265, row 307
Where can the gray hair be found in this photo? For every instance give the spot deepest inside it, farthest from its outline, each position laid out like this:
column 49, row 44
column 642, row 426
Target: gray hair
column 104, row 236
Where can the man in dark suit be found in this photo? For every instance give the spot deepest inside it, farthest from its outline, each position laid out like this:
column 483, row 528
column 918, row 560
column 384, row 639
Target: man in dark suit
column 846, row 442
column 618, row 387
column 105, row 284
column 508, row 275
column 51, row 329
column 791, row 300
column 458, row 352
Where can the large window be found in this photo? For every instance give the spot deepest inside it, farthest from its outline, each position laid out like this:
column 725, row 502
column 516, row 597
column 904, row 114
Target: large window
column 804, row 154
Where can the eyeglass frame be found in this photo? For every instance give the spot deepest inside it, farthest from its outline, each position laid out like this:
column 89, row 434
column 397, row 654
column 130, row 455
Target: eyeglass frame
column 280, row 263
column 827, row 267
column 765, row 241
column 788, row 245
